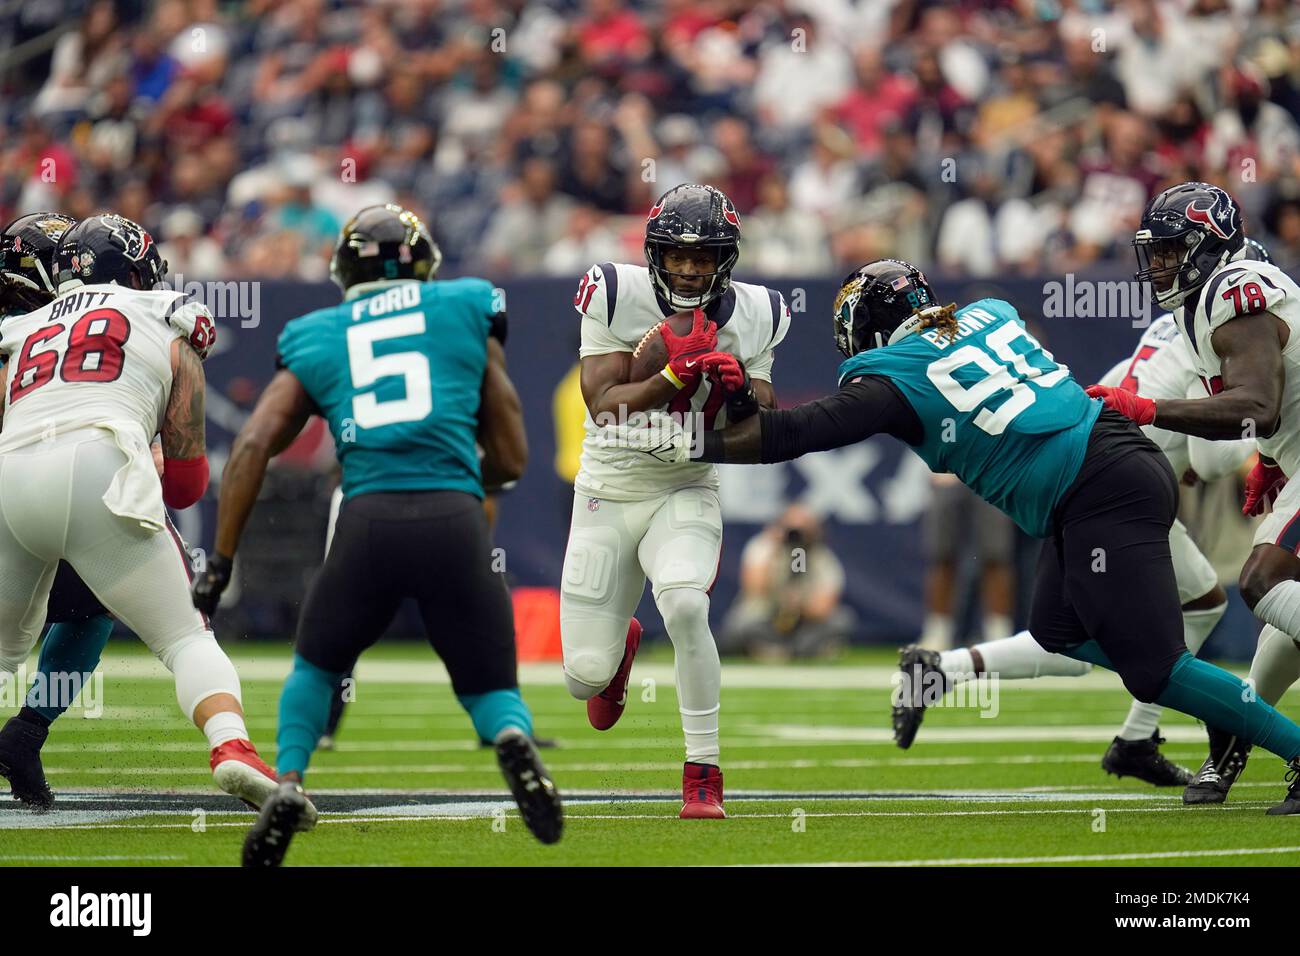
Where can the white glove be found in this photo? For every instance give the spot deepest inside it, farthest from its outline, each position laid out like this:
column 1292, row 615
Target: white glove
column 656, row 434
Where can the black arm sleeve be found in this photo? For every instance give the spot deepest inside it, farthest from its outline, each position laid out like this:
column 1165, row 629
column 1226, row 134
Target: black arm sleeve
column 867, row 406
column 499, row 326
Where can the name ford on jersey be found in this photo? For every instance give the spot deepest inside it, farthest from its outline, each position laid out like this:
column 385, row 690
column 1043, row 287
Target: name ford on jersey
column 405, row 295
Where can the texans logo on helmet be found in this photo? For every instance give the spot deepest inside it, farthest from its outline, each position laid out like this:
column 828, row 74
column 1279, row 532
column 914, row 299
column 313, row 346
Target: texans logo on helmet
column 655, row 210
column 729, row 212
column 1209, row 218
column 135, row 240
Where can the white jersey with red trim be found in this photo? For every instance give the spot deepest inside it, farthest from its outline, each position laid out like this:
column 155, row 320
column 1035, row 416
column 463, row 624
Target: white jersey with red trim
column 1240, row 288
column 618, row 306
column 1161, row 367
column 98, row 356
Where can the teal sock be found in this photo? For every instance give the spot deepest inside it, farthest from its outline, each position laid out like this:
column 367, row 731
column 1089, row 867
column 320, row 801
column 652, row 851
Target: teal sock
column 69, row 655
column 304, row 711
column 496, row 710
column 1227, row 703
column 1219, row 699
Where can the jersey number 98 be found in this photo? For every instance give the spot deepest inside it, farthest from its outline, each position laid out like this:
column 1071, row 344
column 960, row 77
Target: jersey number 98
column 997, row 377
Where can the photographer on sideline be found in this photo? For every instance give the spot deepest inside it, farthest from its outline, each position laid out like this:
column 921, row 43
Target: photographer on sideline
column 789, row 605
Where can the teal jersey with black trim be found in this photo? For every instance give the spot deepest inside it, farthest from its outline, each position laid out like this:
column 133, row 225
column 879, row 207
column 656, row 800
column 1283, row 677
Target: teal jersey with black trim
column 998, row 411
column 397, row 372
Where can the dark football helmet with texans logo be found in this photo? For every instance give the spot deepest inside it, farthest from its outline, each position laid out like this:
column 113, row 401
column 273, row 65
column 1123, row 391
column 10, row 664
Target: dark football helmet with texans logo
column 875, row 300
column 1186, row 233
column 692, row 216
column 108, row 249
column 27, row 272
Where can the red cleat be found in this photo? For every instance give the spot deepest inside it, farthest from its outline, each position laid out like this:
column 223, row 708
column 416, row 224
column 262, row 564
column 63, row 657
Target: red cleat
column 240, row 772
column 701, row 792
column 604, row 710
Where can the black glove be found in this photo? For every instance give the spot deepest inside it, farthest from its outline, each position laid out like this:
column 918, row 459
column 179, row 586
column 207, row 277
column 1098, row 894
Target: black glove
column 209, row 584
column 742, row 402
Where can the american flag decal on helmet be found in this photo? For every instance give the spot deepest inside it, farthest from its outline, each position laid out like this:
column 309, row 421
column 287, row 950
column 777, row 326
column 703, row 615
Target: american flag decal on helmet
column 902, row 282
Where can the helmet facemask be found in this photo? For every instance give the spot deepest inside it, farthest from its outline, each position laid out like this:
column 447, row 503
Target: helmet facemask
column 712, row 284
column 1167, row 263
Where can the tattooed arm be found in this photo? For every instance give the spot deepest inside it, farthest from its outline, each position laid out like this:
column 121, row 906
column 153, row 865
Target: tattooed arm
column 183, row 430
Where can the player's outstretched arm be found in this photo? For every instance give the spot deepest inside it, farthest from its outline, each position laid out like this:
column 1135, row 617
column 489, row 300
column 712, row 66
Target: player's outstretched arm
column 280, row 415
column 1250, row 353
column 501, row 422
column 866, row 407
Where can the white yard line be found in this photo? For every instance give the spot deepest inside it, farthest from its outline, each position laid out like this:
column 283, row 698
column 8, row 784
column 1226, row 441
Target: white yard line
column 848, row 677
column 486, row 812
column 1069, row 858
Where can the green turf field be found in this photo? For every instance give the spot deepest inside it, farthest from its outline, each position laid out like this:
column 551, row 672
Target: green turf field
column 812, row 776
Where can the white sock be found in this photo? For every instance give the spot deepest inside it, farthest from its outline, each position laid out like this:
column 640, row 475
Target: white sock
column 936, row 632
column 1141, row 721
column 698, row 671
column 958, row 666
column 1020, row 656
column 1281, row 607
column 1276, row 665
column 223, row 727
column 1197, row 626
column 996, row 626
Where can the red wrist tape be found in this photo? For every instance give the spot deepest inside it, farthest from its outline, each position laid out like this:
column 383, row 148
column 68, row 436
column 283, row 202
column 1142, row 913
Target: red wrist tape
column 184, row 480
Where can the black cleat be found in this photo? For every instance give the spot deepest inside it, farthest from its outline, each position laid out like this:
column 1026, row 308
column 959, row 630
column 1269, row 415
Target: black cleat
column 541, row 743
column 268, row 839
column 921, row 681
column 1291, row 803
column 1143, row 759
column 20, row 763
column 1220, row 771
column 532, row 786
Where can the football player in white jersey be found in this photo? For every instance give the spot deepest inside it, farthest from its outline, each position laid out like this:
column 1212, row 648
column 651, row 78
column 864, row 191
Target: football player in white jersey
column 89, row 379
column 1241, row 319
column 1160, row 367
column 635, row 517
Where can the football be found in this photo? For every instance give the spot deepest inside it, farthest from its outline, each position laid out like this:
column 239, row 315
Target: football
column 651, row 354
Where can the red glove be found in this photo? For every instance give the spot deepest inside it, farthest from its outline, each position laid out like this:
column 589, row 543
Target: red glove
column 1129, row 404
column 1262, row 485
column 724, row 368
column 685, row 352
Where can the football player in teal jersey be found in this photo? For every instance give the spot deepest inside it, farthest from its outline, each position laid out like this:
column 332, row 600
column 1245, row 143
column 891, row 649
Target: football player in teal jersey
column 410, row 375
column 974, row 394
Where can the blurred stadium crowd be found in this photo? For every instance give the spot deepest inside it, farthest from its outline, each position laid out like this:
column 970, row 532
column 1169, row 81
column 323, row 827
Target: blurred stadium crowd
column 982, row 136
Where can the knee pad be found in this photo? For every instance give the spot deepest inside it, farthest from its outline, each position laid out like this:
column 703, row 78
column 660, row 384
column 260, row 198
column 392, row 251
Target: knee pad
column 201, row 669
column 683, row 609
column 586, row 674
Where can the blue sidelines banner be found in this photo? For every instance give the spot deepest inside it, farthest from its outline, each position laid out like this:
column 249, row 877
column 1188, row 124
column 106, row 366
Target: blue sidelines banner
column 872, row 496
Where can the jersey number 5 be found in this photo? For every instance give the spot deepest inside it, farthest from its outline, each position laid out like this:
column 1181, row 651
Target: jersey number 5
column 368, row 410
column 94, row 353
column 997, row 377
